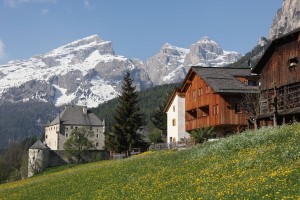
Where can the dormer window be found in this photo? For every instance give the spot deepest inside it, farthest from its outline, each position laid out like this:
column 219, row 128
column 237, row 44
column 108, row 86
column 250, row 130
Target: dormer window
column 293, row 62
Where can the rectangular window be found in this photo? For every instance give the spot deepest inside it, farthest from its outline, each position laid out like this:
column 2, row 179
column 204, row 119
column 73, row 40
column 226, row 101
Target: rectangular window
column 200, row 91
column 207, row 89
column 97, row 135
column 173, row 108
column 72, row 127
column 205, row 110
column 188, row 96
column 238, row 108
column 194, row 94
column 216, row 109
column 174, row 122
column 293, row 62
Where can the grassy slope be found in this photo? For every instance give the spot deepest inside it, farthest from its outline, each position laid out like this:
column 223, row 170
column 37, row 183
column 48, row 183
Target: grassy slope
column 253, row 165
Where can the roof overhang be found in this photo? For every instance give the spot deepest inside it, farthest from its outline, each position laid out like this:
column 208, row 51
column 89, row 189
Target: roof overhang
column 272, row 47
column 176, row 92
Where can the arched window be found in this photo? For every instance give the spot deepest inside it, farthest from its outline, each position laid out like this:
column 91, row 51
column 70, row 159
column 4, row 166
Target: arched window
column 174, row 122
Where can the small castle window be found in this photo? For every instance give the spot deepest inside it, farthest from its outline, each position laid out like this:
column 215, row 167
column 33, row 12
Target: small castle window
column 66, row 128
column 97, row 130
column 174, row 122
column 46, row 136
column 97, row 135
column 173, row 108
column 72, row 127
column 67, row 134
column 97, row 145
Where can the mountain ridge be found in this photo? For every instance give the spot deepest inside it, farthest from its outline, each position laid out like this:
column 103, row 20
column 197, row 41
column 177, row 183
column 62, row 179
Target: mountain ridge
column 88, row 71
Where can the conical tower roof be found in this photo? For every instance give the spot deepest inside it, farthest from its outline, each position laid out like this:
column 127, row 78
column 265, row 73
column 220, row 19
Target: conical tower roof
column 38, row 145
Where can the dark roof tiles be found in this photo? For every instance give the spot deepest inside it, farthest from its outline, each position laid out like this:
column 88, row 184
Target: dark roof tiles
column 224, row 79
column 74, row 115
column 38, row 145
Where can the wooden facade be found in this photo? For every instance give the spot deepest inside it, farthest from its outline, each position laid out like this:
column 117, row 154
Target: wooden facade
column 279, row 70
column 210, row 105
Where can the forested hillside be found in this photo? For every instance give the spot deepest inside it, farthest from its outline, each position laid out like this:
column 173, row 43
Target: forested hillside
column 149, row 100
column 22, row 120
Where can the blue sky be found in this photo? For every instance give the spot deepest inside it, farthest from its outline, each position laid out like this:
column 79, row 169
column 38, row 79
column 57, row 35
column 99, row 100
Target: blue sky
column 137, row 28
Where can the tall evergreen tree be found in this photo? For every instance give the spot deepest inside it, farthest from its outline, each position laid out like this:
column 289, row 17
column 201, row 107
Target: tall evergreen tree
column 159, row 119
column 128, row 118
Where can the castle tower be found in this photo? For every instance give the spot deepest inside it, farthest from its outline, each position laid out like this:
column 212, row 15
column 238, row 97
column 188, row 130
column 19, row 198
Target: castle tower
column 38, row 158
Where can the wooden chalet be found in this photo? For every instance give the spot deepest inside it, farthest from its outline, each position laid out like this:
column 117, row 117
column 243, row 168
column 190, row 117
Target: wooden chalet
column 279, row 71
column 213, row 96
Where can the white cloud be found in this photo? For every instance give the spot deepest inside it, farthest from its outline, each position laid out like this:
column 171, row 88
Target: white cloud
column 87, row 4
column 14, row 3
column 2, row 53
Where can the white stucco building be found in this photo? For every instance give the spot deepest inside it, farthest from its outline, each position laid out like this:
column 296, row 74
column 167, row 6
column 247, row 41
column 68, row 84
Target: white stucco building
column 58, row 131
column 175, row 110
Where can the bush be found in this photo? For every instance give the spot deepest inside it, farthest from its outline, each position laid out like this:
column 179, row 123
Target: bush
column 201, row 135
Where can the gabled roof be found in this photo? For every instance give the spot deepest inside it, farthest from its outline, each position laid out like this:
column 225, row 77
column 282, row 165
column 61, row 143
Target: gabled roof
column 74, row 115
column 39, row 145
column 176, row 92
column 272, row 47
column 221, row 79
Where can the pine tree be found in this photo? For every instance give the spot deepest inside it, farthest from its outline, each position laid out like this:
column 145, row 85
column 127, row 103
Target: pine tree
column 128, row 118
column 159, row 120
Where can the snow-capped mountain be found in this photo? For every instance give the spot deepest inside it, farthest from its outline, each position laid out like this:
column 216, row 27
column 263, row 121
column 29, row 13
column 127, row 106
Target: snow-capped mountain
column 208, row 53
column 84, row 72
column 88, row 72
column 286, row 19
column 167, row 65
column 172, row 63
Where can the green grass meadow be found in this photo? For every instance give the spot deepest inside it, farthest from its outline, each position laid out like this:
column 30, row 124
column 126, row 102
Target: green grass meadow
column 263, row 164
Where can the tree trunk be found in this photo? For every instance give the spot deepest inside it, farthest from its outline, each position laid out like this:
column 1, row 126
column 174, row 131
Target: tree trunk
column 255, row 124
column 275, row 119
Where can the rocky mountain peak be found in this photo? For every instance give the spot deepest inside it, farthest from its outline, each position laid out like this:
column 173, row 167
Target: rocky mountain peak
column 286, row 19
column 262, row 42
column 84, row 47
column 169, row 49
column 208, row 53
column 206, row 39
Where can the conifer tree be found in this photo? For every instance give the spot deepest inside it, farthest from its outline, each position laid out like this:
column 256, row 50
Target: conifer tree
column 128, row 118
column 159, row 120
